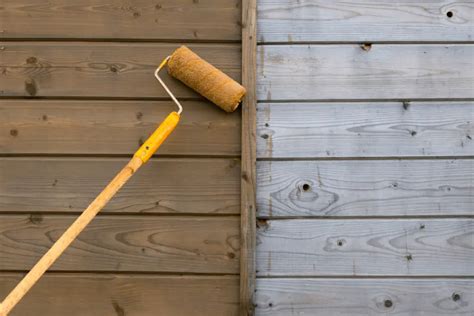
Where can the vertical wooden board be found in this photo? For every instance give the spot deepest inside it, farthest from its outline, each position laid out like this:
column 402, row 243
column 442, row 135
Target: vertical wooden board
column 114, row 127
column 362, row 21
column 106, row 70
column 421, row 247
column 120, row 19
column 125, row 243
column 111, row 294
column 351, row 72
column 165, row 185
column 365, row 129
column 365, row 188
column 364, row 297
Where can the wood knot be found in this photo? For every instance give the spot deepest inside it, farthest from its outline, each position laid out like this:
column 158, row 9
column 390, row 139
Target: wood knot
column 406, row 105
column 409, row 257
column 456, row 297
column 14, row 132
column 35, row 219
column 366, row 47
column 30, row 87
column 31, row 60
column 231, row 255
column 388, row 303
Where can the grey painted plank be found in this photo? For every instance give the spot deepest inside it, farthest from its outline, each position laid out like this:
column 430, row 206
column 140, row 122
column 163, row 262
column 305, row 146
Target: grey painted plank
column 309, row 247
column 362, row 20
column 364, row 297
column 82, row 294
column 121, row 19
column 125, row 243
column 365, row 188
column 114, row 127
column 365, row 129
column 323, row 72
column 165, row 185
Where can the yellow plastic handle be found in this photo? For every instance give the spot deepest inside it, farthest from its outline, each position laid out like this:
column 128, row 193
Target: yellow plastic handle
column 158, row 137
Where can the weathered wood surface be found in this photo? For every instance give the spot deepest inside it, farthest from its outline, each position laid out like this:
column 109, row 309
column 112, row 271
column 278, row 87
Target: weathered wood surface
column 249, row 157
column 125, row 243
column 342, row 72
column 121, row 19
column 114, row 127
column 365, row 129
column 111, row 294
column 165, row 185
column 365, row 188
column 100, row 69
column 308, row 247
column 364, row 297
column 362, row 21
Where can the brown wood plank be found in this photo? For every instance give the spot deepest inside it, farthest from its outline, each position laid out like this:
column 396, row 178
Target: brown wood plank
column 81, row 69
column 125, row 243
column 112, row 294
column 113, row 127
column 165, row 185
column 121, row 19
column 249, row 154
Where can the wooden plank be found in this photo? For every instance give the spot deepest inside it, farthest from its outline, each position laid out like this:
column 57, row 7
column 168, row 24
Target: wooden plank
column 343, row 72
column 111, row 294
column 308, row 247
column 249, row 157
column 365, row 188
column 113, row 127
column 167, row 185
column 364, row 297
column 362, row 21
column 365, row 129
column 121, row 19
column 125, row 243
column 100, row 69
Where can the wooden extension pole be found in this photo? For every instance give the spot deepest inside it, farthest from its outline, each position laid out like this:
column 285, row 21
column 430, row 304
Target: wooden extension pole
column 141, row 156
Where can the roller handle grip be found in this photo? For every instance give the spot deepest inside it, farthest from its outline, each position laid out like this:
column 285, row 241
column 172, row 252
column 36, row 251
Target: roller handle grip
column 155, row 140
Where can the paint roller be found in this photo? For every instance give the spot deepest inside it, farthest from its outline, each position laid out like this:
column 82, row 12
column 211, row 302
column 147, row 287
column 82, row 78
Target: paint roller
column 197, row 74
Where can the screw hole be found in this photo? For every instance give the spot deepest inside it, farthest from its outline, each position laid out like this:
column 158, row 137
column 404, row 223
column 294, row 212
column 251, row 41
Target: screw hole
column 449, row 14
column 306, row 187
column 388, row 303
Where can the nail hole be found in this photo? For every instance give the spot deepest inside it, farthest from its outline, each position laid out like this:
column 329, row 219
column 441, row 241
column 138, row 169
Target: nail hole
column 267, row 125
column 306, row 187
column 449, row 14
column 412, row 133
column 147, row 147
column 340, row 243
column 388, row 303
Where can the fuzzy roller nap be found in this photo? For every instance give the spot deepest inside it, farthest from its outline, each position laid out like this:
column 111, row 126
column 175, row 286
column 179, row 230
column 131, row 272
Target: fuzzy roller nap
column 206, row 79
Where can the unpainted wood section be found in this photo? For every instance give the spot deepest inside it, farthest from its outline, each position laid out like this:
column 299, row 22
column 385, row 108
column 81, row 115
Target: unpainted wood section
column 362, row 21
column 343, row 72
column 119, row 19
column 365, row 188
column 114, row 127
column 165, row 185
column 249, row 157
column 125, row 243
column 119, row 70
column 364, row 297
column 421, row 247
column 111, row 294
column 365, row 129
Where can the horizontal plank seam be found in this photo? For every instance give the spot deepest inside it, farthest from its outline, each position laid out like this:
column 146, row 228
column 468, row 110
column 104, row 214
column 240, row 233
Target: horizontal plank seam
column 369, row 217
column 117, row 156
column 362, row 158
column 371, row 277
column 126, row 215
column 117, row 40
column 131, row 272
column 286, row 43
column 373, row 100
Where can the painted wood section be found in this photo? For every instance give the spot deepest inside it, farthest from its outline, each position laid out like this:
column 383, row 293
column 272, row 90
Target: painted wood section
column 249, row 157
column 416, row 247
column 112, row 294
column 365, row 129
column 364, row 297
column 362, row 21
column 165, row 185
column 365, row 188
column 108, row 70
column 114, row 127
column 353, row 72
column 125, row 243
column 120, row 19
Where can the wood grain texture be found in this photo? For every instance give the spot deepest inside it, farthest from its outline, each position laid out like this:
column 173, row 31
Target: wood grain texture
column 342, row 72
column 361, row 20
column 365, row 129
column 111, row 294
column 166, row 185
column 364, row 297
column 249, row 157
column 365, row 188
column 308, row 247
column 125, row 243
column 121, row 19
column 100, row 69
column 113, row 127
